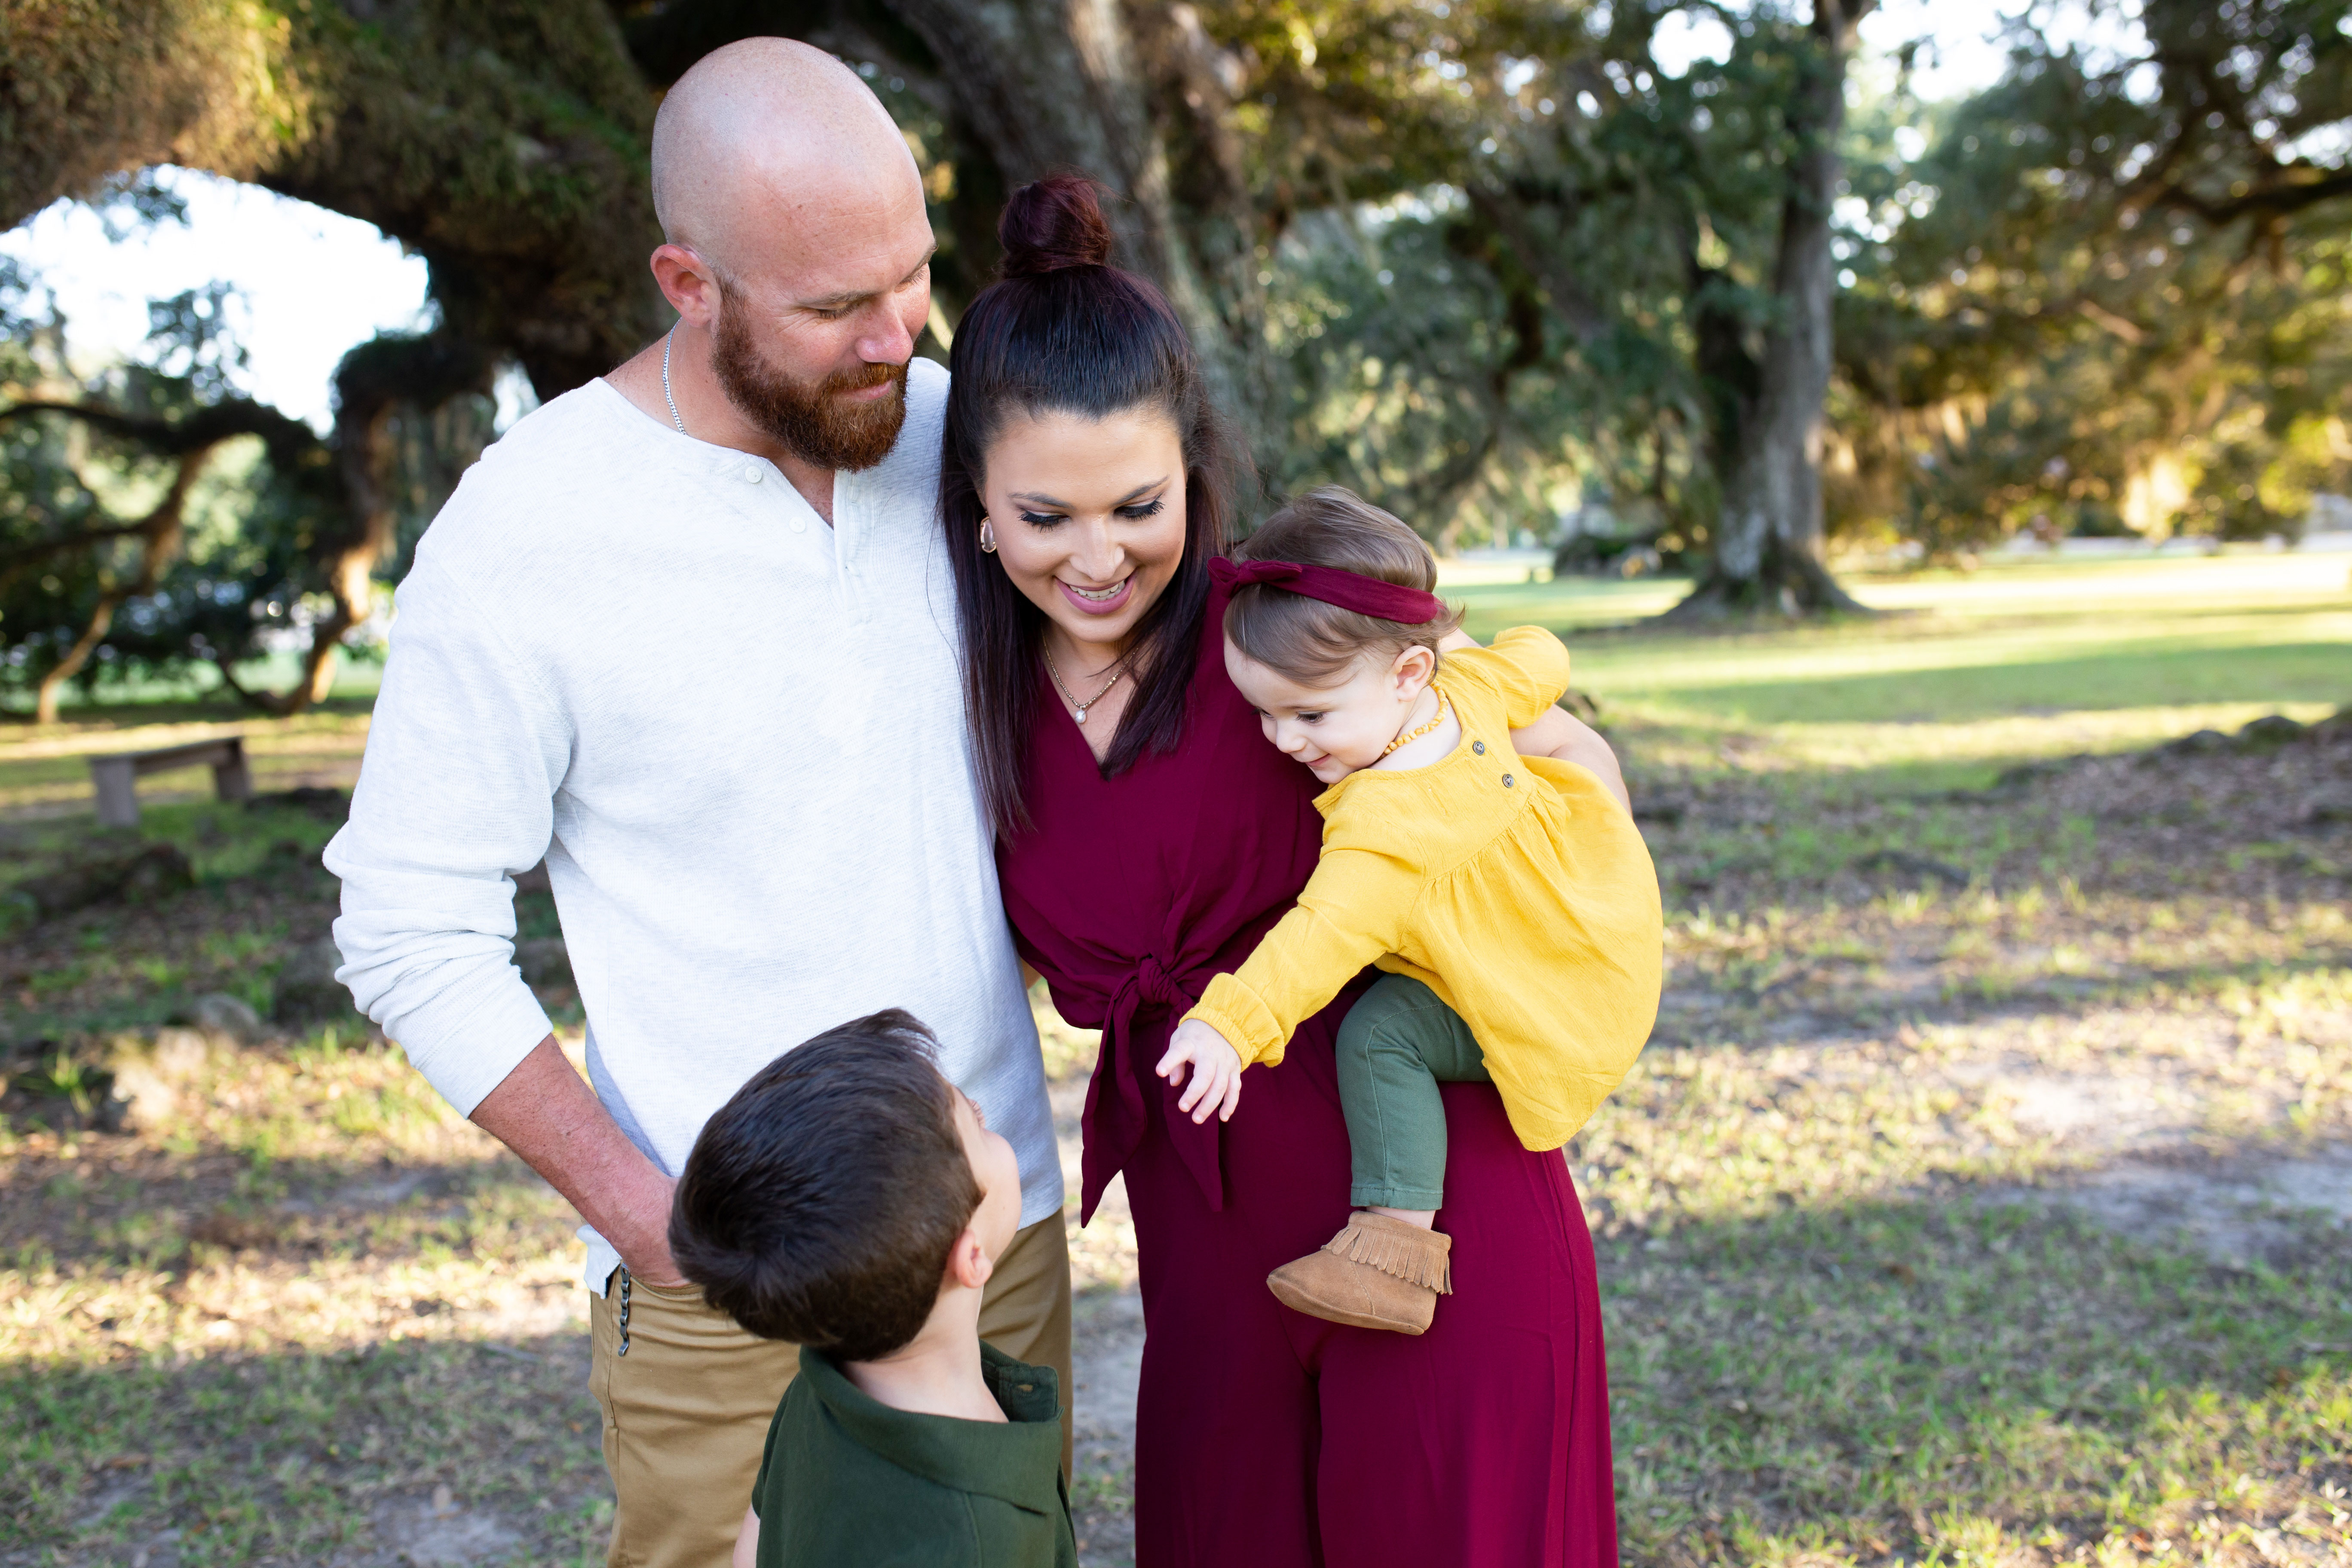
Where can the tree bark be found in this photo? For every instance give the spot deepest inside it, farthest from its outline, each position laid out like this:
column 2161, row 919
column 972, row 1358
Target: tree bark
column 1768, row 544
column 52, row 689
column 1136, row 97
column 88, row 91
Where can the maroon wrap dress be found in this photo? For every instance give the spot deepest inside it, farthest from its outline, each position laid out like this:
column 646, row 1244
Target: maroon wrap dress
column 1265, row 1438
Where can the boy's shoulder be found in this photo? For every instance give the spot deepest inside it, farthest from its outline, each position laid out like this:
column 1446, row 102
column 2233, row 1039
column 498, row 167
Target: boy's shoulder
column 849, row 1480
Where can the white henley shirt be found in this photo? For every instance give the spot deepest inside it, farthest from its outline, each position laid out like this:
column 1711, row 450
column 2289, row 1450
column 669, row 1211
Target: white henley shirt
column 737, row 736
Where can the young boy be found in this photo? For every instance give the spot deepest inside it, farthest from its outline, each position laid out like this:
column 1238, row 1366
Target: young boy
column 850, row 1200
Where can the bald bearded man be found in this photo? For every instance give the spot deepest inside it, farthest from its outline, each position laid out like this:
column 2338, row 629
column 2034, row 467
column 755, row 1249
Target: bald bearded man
column 687, row 633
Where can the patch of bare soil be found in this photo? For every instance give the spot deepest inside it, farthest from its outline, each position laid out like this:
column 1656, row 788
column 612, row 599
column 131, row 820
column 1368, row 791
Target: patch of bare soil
column 2137, row 952
column 2236, row 1209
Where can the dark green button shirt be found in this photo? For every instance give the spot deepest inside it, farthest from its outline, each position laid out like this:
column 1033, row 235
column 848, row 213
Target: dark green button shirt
column 848, row 1482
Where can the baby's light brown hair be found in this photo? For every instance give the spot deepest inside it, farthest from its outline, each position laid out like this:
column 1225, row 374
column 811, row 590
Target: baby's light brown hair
column 1313, row 642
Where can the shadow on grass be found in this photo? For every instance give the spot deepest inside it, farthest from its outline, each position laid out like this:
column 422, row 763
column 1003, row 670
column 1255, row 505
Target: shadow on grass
column 147, row 1209
column 417, row 1451
column 1892, row 1381
column 1958, row 1377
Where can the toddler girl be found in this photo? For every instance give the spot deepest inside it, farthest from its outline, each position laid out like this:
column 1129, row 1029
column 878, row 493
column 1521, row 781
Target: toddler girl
column 1476, row 845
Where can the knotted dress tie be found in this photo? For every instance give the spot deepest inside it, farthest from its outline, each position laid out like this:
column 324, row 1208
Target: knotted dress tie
column 1117, row 1112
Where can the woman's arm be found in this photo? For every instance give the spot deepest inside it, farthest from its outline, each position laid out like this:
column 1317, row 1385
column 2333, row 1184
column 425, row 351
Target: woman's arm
column 1570, row 740
column 1559, row 736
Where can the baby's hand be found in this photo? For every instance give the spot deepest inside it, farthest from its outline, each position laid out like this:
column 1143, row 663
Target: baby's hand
column 1217, row 1070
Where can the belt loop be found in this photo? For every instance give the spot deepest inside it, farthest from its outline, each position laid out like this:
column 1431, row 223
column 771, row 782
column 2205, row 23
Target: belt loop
column 624, row 1312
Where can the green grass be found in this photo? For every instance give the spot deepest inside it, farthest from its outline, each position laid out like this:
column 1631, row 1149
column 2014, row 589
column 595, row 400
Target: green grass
column 261, row 1330
column 1873, row 1291
column 1983, row 1384
column 1968, row 676
column 355, row 680
column 110, row 968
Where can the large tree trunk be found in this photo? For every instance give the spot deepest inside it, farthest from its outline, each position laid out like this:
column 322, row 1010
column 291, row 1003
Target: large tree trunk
column 1768, row 547
column 1138, row 97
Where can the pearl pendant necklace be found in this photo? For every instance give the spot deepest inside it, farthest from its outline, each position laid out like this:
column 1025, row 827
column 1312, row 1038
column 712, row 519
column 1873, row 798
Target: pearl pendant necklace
column 1079, row 708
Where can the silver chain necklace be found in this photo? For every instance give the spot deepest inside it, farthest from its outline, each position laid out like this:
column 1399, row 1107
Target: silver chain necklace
column 667, row 341
column 1081, row 707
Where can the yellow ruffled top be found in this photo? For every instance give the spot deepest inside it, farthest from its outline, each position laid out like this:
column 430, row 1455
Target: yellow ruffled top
column 1516, row 888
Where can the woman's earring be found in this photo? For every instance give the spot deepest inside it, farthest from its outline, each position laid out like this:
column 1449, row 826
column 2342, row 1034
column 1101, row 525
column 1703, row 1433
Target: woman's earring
column 987, row 537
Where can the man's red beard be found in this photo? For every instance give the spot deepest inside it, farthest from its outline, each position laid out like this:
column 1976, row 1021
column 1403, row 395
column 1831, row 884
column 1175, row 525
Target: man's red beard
column 815, row 421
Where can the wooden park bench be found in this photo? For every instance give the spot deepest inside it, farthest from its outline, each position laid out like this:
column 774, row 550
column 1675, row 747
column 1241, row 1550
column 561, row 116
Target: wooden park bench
column 114, row 776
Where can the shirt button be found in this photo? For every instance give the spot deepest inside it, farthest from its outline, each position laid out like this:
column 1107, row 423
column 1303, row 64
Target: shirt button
column 1506, row 781
column 800, row 525
column 1479, row 747
column 750, row 473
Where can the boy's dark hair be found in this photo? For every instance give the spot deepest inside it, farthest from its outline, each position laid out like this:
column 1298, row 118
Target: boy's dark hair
column 1313, row 642
column 820, row 1204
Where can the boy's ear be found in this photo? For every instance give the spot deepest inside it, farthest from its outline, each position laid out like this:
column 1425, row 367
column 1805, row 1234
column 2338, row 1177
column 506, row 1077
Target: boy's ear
column 969, row 1264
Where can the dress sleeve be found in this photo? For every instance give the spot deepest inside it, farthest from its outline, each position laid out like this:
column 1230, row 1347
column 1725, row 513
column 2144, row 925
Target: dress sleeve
column 1527, row 667
column 1349, row 914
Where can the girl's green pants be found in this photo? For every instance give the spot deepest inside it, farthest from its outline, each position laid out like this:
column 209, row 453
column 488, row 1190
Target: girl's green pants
column 1395, row 1047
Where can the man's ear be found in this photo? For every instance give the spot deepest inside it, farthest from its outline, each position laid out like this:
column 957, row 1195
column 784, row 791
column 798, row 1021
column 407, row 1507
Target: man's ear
column 969, row 1264
column 688, row 282
column 1413, row 670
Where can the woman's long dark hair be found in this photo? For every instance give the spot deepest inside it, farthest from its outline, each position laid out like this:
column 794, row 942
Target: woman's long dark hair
column 1063, row 332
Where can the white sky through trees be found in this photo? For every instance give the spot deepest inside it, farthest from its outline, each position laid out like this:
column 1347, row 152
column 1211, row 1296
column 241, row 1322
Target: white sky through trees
column 313, row 282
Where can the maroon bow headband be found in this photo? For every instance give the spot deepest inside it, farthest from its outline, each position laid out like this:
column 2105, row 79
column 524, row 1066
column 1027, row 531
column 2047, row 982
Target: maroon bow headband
column 1349, row 590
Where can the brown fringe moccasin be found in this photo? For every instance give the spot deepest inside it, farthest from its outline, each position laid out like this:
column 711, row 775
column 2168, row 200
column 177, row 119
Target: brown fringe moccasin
column 1378, row 1273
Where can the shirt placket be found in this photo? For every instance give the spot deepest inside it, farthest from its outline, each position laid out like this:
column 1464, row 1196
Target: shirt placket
column 770, row 491
column 849, row 552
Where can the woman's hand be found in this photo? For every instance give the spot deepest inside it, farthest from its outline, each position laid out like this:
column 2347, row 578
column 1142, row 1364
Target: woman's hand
column 1217, row 1083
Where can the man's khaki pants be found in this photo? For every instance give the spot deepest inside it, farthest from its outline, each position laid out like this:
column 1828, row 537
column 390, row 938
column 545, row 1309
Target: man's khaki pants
column 686, row 1410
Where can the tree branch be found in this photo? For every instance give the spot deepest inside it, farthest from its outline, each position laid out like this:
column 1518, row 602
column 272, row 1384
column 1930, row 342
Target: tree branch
column 2123, row 327
column 160, row 533
column 206, row 427
column 15, row 561
column 2271, row 201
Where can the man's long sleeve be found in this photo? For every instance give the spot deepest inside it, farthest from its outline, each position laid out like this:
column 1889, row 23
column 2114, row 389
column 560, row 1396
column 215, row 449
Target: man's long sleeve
column 464, row 757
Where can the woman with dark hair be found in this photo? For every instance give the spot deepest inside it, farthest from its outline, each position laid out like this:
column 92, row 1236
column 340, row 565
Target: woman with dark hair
column 1148, row 836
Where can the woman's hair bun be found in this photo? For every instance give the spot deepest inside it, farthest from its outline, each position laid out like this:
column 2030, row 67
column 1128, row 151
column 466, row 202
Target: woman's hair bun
column 1054, row 223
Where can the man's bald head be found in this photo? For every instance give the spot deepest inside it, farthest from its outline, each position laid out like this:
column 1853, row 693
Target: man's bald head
column 767, row 142
column 799, row 250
